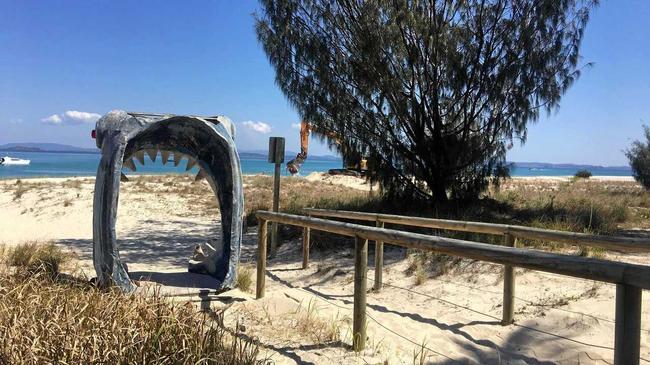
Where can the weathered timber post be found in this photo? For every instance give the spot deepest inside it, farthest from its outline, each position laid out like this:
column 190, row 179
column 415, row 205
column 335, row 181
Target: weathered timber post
column 360, row 276
column 276, row 156
column 627, row 338
column 508, row 285
column 261, row 259
column 379, row 260
column 306, row 237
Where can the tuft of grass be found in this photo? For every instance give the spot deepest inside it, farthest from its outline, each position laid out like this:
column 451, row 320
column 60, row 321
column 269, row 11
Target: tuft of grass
column 45, row 319
column 245, row 277
column 21, row 189
column 416, row 268
column 35, row 257
column 425, row 264
column 311, row 325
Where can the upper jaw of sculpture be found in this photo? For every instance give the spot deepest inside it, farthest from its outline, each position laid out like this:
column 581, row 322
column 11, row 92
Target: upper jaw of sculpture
column 205, row 142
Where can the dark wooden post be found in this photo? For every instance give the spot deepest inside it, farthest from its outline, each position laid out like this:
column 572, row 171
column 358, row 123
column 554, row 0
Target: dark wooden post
column 306, row 233
column 261, row 259
column 379, row 260
column 359, row 311
column 276, row 156
column 627, row 339
column 508, row 285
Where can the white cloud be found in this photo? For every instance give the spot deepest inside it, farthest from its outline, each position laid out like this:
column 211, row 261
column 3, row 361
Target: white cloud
column 259, row 127
column 52, row 119
column 71, row 117
column 295, row 125
column 83, row 117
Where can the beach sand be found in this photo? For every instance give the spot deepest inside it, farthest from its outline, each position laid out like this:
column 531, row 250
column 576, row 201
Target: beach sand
column 453, row 318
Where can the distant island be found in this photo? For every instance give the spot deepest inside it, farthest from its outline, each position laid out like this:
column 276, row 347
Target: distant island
column 544, row 165
column 45, row 147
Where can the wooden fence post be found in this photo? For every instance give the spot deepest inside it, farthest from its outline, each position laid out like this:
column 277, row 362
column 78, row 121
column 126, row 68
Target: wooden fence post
column 306, row 238
column 261, row 258
column 379, row 260
column 508, row 285
column 275, row 156
column 360, row 276
column 627, row 338
column 276, row 208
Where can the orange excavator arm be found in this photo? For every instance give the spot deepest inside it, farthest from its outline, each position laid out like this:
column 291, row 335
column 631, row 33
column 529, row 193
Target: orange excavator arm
column 294, row 165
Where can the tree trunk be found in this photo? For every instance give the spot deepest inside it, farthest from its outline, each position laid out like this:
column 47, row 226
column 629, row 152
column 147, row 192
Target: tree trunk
column 439, row 191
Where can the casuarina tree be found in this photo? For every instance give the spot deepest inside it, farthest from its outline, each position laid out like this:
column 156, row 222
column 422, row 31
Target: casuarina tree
column 432, row 93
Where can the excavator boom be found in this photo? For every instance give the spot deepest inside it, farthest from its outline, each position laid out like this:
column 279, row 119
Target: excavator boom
column 294, row 165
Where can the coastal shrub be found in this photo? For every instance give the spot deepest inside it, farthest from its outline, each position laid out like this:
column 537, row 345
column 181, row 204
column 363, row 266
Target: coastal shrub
column 639, row 157
column 66, row 320
column 583, row 174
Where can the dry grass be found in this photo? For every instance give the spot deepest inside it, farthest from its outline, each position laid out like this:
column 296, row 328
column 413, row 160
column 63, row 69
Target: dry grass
column 309, row 324
column 423, row 264
column 579, row 205
column 47, row 318
column 297, row 194
column 245, row 277
column 36, row 257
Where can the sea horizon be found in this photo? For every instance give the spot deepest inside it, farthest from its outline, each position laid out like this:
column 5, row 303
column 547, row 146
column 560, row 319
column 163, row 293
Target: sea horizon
column 71, row 164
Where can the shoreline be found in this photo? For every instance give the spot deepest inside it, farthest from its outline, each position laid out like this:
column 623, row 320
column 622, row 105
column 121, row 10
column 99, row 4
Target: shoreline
column 324, row 173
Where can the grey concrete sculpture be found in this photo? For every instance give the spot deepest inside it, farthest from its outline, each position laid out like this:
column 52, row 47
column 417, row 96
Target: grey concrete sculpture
column 207, row 142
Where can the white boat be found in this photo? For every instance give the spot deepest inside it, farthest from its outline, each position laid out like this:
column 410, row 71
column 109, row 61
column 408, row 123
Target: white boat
column 13, row 161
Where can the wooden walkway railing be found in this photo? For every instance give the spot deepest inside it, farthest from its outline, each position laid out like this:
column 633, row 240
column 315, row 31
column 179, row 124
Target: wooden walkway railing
column 630, row 278
column 510, row 234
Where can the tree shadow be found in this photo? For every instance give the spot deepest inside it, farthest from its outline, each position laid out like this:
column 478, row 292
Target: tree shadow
column 485, row 350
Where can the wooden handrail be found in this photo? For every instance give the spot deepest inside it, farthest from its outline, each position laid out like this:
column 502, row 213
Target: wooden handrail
column 630, row 279
column 576, row 266
column 628, row 244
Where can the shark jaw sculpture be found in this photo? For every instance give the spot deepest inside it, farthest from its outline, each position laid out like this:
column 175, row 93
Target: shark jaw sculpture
column 206, row 142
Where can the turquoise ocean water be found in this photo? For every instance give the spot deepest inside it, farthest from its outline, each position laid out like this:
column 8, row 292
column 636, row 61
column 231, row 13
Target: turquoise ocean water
column 44, row 164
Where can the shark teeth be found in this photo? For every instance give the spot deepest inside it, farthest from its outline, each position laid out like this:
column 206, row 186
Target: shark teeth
column 123, row 177
column 152, row 154
column 200, row 176
column 139, row 156
column 190, row 163
column 177, row 158
column 129, row 164
column 165, row 156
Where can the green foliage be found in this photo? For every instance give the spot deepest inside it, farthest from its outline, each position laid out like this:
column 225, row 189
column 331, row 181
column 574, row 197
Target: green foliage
column 583, row 174
column 639, row 156
column 432, row 94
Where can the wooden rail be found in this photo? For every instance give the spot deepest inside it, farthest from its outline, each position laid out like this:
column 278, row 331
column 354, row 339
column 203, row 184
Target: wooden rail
column 628, row 244
column 630, row 278
column 509, row 232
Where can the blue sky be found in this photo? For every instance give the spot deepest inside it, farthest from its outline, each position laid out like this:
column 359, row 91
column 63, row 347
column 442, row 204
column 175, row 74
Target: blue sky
column 64, row 62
